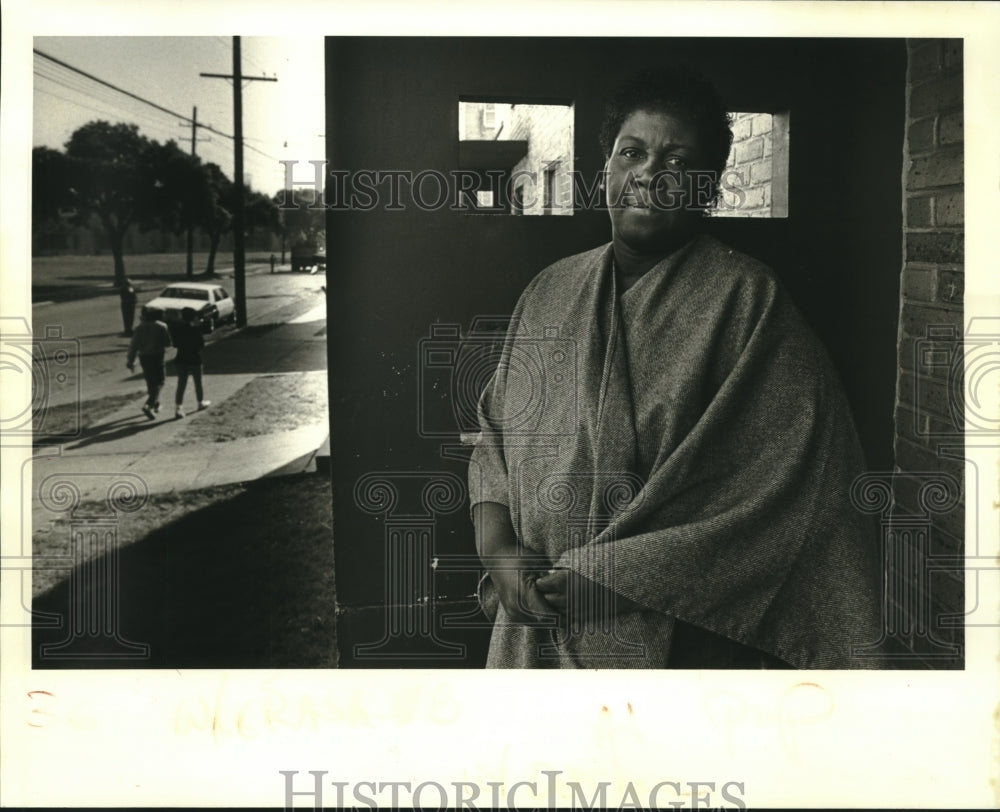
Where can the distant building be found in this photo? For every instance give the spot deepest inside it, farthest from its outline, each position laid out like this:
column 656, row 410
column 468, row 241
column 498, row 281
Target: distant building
column 523, row 154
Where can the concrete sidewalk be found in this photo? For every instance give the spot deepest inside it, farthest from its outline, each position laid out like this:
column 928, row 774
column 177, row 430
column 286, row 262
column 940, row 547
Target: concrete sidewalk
column 268, row 416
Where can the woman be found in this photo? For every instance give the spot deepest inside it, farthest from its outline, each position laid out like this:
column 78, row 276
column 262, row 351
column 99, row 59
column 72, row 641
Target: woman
column 685, row 499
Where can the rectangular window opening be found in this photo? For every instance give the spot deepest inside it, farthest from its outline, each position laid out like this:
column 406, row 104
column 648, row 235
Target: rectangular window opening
column 520, row 153
column 755, row 180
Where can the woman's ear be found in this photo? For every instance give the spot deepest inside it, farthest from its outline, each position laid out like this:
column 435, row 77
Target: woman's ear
column 604, row 174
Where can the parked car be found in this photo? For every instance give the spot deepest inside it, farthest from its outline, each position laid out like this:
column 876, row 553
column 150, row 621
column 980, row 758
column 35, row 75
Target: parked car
column 211, row 302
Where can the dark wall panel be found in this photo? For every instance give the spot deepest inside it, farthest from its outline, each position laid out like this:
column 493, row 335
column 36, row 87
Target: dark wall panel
column 393, row 105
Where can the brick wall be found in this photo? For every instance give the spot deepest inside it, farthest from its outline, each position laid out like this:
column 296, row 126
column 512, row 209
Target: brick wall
column 928, row 419
column 751, row 160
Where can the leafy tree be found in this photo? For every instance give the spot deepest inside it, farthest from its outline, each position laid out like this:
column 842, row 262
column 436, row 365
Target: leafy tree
column 298, row 221
column 111, row 172
column 261, row 212
column 184, row 193
column 49, row 188
column 215, row 214
column 118, row 174
column 51, row 205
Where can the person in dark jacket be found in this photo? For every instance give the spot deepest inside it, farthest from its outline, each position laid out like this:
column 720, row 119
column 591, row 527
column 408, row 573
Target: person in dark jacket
column 189, row 341
column 149, row 342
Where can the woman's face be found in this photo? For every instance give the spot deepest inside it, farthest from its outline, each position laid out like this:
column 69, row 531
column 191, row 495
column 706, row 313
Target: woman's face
column 648, row 189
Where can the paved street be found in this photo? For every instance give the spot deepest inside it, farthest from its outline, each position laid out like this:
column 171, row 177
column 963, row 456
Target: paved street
column 266, row 384
column 94, row 326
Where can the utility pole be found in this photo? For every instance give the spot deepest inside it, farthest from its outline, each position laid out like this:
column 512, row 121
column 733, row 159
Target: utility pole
column 239, row 258
column 190, row 225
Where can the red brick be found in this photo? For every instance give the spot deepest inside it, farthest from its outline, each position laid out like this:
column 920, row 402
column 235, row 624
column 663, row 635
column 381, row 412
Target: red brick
column 950, row 288
column 938, row 169
column 932, row 391
column 952, row 128
column 925, row 60
column 936, row 95
column 905, row 388
column 929, row 357
column 915, row 458
column 918, row 284
column 932, row 413
column 924, row 427
column 913, row 426
column 933, row 285
column 916, row 318
column 949, row 209
column 935, row 246
column 904, row 354
column 921, row 135
column 918, row 212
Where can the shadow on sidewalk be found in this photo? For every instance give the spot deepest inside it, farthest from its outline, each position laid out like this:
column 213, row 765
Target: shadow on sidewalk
column 266, row 349
column 115, row 430
column 246, row 582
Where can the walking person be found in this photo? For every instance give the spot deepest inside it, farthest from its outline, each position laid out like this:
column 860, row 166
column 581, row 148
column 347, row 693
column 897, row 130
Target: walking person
column 189, row 341
column 149, row 342
column 128, row 296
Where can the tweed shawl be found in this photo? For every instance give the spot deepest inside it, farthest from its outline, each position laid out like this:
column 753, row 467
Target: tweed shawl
column 687, row 445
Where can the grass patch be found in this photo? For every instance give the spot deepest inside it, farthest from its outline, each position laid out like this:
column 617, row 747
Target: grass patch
column 67, row 419
column 93, row 269
column 238, row 576
column 266, row 405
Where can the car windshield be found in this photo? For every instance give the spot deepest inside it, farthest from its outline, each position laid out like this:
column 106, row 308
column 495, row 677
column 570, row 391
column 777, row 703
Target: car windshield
column 185, row 293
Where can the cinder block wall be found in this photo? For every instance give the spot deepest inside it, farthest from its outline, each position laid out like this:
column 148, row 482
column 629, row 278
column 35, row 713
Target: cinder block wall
column 928, row 512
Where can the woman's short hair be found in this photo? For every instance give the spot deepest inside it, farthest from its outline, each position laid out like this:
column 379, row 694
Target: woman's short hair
column 679, row 90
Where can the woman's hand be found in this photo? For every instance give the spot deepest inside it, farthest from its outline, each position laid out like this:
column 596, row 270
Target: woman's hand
column 521, row 599
column 590, row 601
column 512, row 570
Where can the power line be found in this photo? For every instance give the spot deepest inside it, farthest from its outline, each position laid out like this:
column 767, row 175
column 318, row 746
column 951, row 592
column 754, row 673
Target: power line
column 239, row 270
column 113, row 87
column 109, row 107
column 77, row 84
column 158, row 129
column 138, row 98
